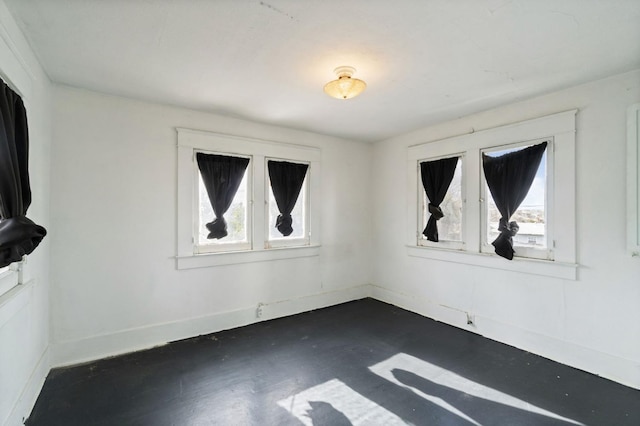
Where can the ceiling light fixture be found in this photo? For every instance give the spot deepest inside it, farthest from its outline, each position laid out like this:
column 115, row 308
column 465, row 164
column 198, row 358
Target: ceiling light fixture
column 344, row 87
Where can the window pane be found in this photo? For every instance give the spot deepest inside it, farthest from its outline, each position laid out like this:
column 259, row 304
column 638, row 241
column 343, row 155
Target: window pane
column 530, row 216
column 298, row 215
column 236, row 216
column 450, row 226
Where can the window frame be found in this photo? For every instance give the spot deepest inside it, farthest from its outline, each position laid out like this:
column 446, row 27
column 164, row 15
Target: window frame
column 14, row 274
column 222, row 247
column 305, row 240
column 521, row 251
column 421, row 241
column 9, row 278
column 188, row 142
column 559, row 128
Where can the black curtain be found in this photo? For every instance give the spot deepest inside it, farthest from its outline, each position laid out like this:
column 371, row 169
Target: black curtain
column 509, row 178
column 222, row 176
column 436, row 178
column 18, row 234
column 286, row 182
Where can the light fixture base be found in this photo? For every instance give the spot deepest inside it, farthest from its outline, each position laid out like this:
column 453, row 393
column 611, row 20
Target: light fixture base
column 344, row 71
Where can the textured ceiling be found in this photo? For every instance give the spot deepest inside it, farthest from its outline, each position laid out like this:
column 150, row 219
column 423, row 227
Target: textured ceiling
column 424, row 60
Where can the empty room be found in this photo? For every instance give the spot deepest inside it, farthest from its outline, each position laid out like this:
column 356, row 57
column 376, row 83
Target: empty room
column 281, row 212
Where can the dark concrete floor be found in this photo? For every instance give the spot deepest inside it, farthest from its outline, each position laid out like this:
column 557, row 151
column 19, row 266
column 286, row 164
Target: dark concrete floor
column 361, row 363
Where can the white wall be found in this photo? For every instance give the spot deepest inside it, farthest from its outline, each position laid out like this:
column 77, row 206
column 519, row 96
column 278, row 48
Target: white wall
column 590, row 323
column 24, row 311
column 115, row 285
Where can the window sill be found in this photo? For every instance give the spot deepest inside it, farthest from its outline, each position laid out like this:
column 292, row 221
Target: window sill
column 13, row 301
column 249, row 256
column 442, row 245
column 8, row 279
column 566, row 271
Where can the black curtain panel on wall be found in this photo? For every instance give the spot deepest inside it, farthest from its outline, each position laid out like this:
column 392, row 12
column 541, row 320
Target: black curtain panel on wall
column 18, row 234
column 286, row 182
column 509, row 178
column 436, row 178
column 222, row 176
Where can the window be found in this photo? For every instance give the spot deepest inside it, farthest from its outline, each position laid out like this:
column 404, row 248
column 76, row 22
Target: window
column 450, row 226
column 299, row 214
column 545, row 243
column 20, row 236
column 531, row 216
column 237, row 218
column 253, row 212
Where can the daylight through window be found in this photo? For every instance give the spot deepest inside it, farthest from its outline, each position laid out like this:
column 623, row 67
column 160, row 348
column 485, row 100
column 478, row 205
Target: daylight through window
column 229, row 177
column 450, row 225
column 531, row 215
column 236, row 216
column 537, row 188
column 298, row 214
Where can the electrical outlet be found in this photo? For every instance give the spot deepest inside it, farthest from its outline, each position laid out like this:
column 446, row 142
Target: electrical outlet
column 470, row 320
column 260, row 310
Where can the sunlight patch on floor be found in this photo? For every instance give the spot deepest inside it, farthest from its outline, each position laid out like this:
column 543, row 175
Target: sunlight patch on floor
column 334, row 402
column 394, row 368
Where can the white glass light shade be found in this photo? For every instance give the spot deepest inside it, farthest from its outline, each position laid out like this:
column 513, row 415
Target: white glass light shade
column 345, row 87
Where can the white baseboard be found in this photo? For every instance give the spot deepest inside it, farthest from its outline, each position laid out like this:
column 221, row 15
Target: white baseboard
column 29, row 395
column 621, row 370
column 96, row 347
column 316, row 301
column 608, row 366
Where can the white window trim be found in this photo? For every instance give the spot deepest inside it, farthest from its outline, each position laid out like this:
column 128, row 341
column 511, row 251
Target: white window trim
column 442, row 244
column 558, row 127
column 522, row 251
column 196, row 140
column 555, row 269
column 633, row 180
column 16, row 274
column 283, row 242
